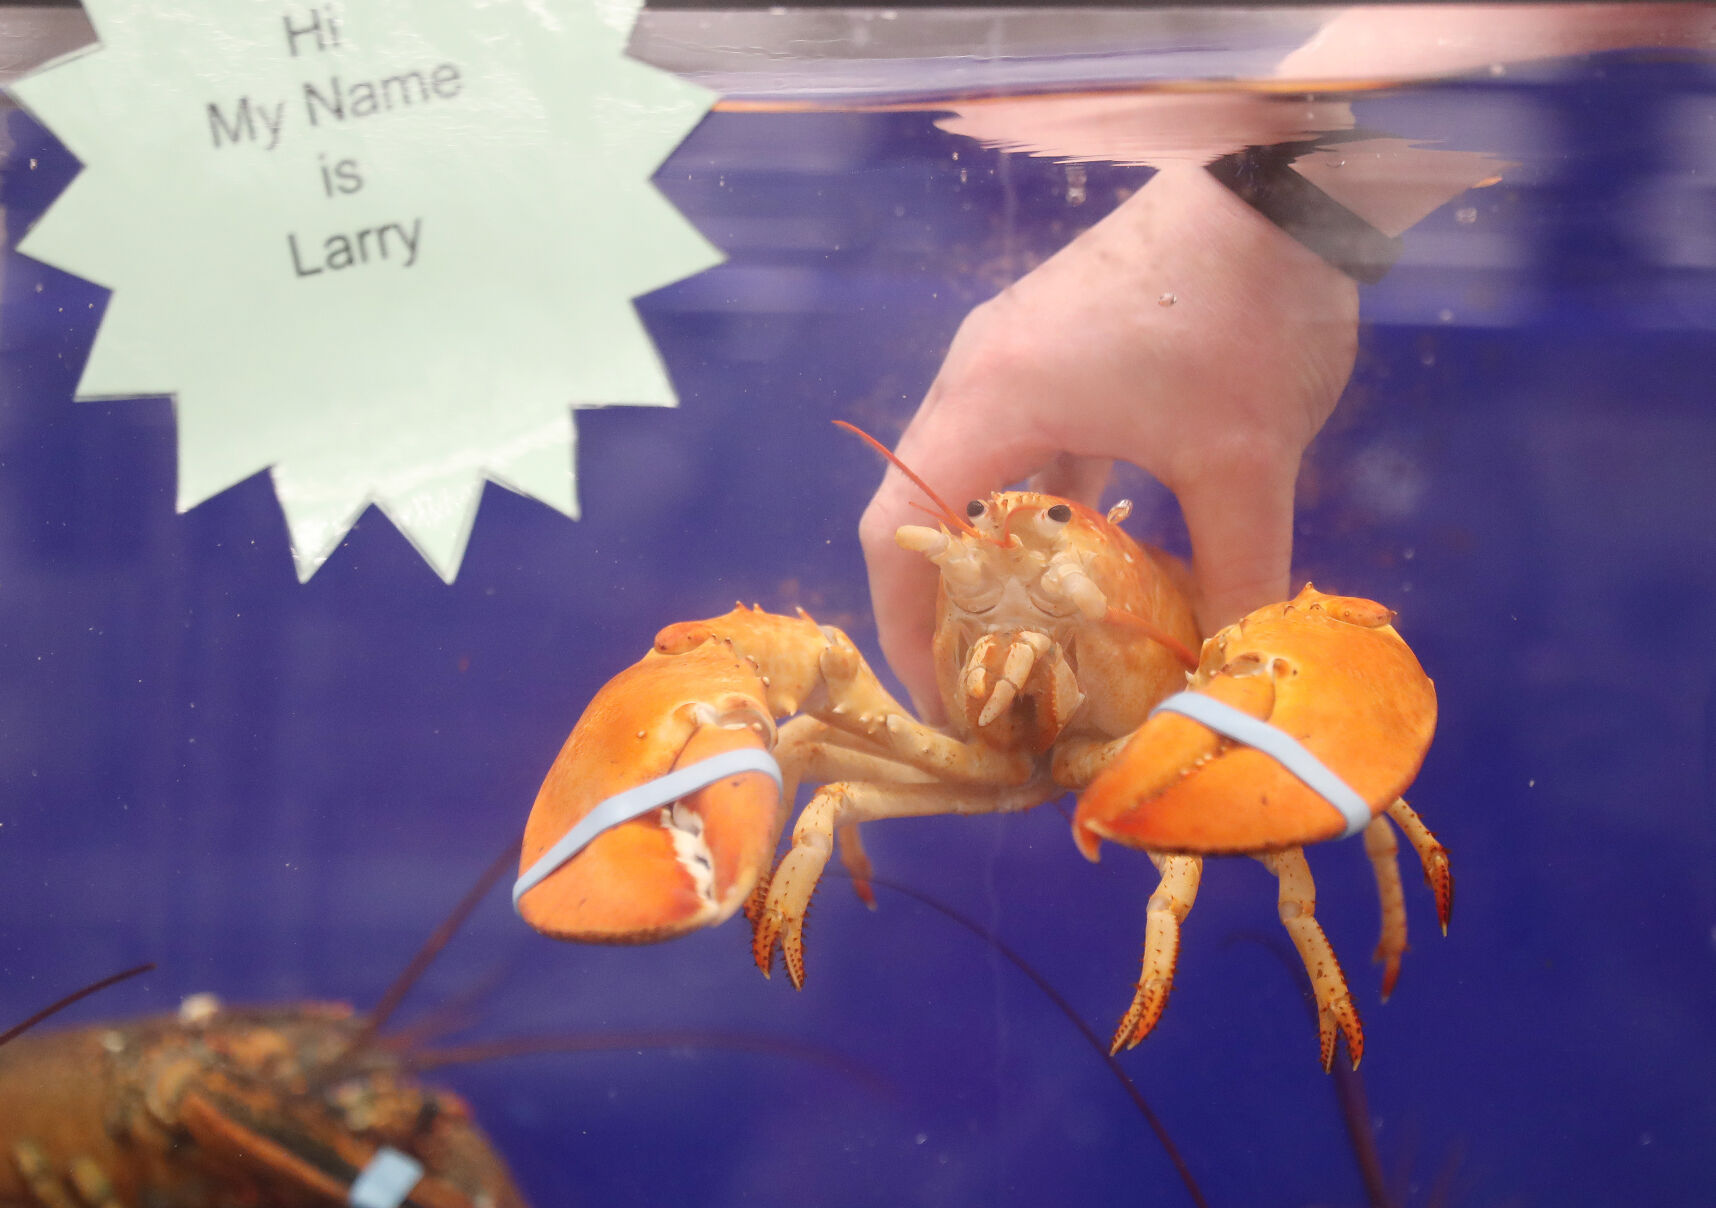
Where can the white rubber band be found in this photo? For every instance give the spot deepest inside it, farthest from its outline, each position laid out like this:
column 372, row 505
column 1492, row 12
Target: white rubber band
column 386, row 1181
column 641, row 799
column 1280, row 746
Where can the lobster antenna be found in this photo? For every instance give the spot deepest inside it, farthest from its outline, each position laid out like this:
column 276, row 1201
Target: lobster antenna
column 431, row 948
column 529, row 1046
column 1054, row 996
column 454, row 1015
column 1156, row 634
column 1348, row 1082
column 75, row 996
column 953, row 518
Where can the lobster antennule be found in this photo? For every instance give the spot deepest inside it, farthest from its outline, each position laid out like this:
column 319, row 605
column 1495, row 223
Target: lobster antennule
column 953, row 518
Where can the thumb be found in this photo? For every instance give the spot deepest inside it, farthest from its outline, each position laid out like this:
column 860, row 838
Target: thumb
column 1240, row 517
column 1075, row 477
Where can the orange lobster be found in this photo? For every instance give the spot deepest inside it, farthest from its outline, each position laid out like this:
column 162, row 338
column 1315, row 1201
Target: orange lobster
column 286, row 1107
column 1057, row 639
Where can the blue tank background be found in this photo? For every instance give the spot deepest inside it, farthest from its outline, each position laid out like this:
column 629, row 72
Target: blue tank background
column 276, row 790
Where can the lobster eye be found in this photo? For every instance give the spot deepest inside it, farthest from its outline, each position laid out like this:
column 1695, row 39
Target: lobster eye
column 1060, row 513
column 975, row 508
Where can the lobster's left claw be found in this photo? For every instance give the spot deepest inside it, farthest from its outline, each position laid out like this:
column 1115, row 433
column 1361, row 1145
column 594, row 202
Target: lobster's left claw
column 688, row 865
column 1329, row 671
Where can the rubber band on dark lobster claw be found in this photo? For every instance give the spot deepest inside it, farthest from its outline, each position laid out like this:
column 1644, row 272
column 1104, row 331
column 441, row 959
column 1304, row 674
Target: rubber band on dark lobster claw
column 387, row 1181
column 1280, row 746
column 639, row 800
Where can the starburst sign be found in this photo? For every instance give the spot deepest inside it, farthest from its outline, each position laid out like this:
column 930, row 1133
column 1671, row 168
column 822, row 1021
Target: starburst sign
column 382, row 248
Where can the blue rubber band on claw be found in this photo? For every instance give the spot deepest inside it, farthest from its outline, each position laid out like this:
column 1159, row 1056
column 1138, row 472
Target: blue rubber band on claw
column 641, row 799
column 1280, row 746
column 387, row 1181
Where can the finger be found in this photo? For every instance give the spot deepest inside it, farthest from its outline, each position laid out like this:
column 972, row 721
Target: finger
column 1074, row 477
column 1240, row 517
column 1379, row 43
column 902, row 593
column 964, row 449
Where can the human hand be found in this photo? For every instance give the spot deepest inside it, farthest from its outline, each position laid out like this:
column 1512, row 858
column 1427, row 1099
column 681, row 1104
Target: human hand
column 1390, row 42
column 1183, row 333
column 1218, row 394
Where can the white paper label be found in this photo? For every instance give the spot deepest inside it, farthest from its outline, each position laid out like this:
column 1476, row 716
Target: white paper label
column 382, row 249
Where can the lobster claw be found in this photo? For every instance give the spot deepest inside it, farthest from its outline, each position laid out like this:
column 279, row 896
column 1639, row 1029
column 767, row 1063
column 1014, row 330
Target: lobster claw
column 1329, row 672
column 687, row 865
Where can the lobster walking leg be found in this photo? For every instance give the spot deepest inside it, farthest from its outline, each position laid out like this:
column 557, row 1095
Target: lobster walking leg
column 1078, row 761
column 84, row 1185
column 845, row 803
column 1297, row 906
column 811, row 749
column 1169, row 906
column 856, row 861
column 39, row 1177
column 952, row 759
column 1432, row 855
column 1382, row 848
column 1384, row 852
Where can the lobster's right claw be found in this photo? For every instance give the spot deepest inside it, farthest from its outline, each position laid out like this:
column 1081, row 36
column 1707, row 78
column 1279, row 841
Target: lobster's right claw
column 691, row 863
column 1329, row 672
